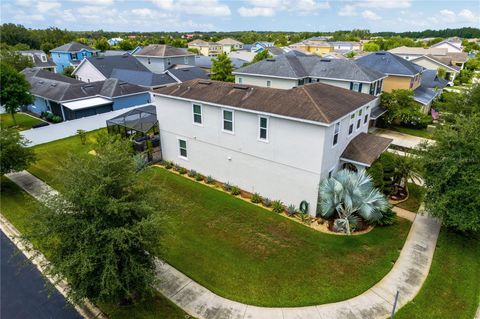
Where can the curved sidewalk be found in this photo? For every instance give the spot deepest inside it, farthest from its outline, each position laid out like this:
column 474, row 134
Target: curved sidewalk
column 407, row 276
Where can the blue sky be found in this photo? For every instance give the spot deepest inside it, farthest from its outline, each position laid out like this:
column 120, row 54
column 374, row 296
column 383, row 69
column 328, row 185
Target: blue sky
column 233, row 15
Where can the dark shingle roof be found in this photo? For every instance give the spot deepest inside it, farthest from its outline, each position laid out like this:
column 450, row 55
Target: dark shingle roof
column 366, row 148
column 206, row 62
column 316, row 102
column 106, row 64
column 57, row 87
column 424, row 95
column 143, row 78
column 188, row 73
column 162, row 50
column 431, row 80
column 72, row 47
column 443, row 59
column 389, row 63
column 298, row 66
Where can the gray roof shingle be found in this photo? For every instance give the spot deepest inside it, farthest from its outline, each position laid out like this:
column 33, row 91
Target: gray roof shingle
column 73, row 47
column 389, row 63
column 161, row 50
column 366, row 148
column 316, row 102
column 106, row 64
column 187, row 73
column 298, row 66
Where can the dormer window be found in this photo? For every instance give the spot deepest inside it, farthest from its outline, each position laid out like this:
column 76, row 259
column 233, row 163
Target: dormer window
column 43, row 57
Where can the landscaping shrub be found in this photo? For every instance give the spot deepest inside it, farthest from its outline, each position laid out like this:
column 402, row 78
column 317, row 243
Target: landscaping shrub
column 267, row 202
column 199, row 177
column 182, row 170
column 177, row 167
column 277, row 207
column 192, row 173
column 291, row 210
column 83, row 136
column 209, row 180
column 56, row 119
column 256, row 198
column 168, row 165
column 305, row 218
column 388, row 162
column 376, row 173
column 416, row 120
column 235, row 190
column 227, row 187
column 389, row 218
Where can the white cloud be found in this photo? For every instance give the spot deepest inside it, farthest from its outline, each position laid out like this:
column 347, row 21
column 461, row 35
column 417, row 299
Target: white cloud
column 205, row 7
column 68, row 16
column 384, row 4
column 347, row 11
column 143, row 12
column 24, row 3
column 91, row 10
column 96, row 2
column 44, row 6
column 370, row 15
column 22, row 16
column 448, row 15
column 256, row 12
column 468, row 15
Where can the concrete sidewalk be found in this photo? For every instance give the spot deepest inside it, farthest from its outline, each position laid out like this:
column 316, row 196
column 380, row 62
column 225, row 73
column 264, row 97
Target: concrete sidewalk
column 407, row 277
column 401, row 139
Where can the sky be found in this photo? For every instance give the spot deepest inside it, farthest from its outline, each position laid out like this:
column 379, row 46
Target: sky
column 242, row 15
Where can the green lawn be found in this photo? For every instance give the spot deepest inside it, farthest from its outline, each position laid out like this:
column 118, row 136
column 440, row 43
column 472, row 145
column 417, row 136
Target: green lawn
column 24, row 121
column 246, row 253
column 19, row 208
column 452, row 288
column 425, row 133
column 415, row 198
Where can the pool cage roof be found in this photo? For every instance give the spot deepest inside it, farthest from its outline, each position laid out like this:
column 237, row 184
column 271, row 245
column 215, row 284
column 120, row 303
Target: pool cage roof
column 141, row 119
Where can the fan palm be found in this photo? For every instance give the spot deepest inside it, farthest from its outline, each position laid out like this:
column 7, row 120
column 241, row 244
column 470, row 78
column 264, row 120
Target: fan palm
column 350, row 194
column 407, row 168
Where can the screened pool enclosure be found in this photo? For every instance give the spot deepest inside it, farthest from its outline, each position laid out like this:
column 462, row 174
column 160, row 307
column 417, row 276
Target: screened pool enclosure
column 140, row 125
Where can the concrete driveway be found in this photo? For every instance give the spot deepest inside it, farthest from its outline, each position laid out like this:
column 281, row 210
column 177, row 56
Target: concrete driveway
column 401, row 139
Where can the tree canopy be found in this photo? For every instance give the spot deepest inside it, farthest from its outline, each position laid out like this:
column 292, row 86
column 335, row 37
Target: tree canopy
column 222, row 68
column 14, row 153
column 402, row 109
column 262, row 55
column 103, row 231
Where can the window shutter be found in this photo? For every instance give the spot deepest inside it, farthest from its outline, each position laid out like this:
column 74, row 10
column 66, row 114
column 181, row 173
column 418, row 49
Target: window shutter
column 360, row 87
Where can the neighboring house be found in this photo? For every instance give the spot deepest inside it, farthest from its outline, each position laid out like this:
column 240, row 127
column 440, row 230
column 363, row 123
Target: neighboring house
column 431, row 88
column 346, row 46
column 206, row 48
column 244, row 54
column 290, row 70
column 72, row 99
column 313, row 46
column 260, row 46
column 114, row 41
column 71, row 54
column 402, row 74
column 274, row 51
column 205, row 62
column 451, row 62
column 279, row 143
column 230, row 44
column 127, row 68
column 159, row 57
column 452, row 45
column 410, row 53
column 113, row 52
column 39, row 59
column 334, row 55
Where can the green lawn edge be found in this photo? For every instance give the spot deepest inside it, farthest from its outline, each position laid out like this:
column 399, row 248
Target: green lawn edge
column 24, row 121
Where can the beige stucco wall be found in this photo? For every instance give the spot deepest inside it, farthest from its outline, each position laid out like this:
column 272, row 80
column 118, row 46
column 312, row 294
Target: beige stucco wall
column 393, row 82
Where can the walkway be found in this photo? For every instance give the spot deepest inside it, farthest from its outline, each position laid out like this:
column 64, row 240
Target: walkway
column 58, row 131
column 401, row 139
column 407, row 276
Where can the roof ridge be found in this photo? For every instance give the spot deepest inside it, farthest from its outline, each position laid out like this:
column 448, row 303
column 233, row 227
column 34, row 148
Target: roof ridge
column 315, row 104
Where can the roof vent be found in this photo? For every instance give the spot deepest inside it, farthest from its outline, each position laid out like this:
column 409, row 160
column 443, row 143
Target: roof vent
column 270, row 59
column 54, row 84
column 380, row 53
column 205, row 82
column 325, row 60
column 41, row 82
column 240, row 87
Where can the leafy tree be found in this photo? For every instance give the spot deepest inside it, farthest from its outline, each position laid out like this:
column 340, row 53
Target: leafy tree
column 371, row 47
column 464, row 104
column 402, row 109
column 126, row 45
column 441, row 73
column 14, row 90
column 16, row 60
column 222, row 68
column 47, row 46
column 452, row 174
column 14, row 153
column 262, row 55
column 350, row 54
column 103, row 231
column 407, row 168
column 473, row 64
column 101, row 44
column 465, row 76
column 67, row 71
column 349, row 194
column 194, row 50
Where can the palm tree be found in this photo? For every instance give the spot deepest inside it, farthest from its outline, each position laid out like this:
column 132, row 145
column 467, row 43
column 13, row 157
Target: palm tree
column 407, row 168
column 349, row 194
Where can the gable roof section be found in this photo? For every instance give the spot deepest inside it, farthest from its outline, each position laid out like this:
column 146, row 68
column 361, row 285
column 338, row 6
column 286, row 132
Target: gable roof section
column 73, row 47
column 106, row 64
column 298, row 66
column 445, row 61
column 186, row 74
column 430, row 79
column 229, row 41
column 161, row 50
column 455, row 45
column 389, row 63
column 418, row 50
column 316, row 102
column 143, row 78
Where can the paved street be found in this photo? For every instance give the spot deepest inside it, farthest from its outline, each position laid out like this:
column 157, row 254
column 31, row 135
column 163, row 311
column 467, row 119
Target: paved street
column 23, row 291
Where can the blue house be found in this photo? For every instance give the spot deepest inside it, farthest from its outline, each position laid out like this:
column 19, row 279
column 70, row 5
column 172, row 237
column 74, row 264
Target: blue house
column 260, row 46
column 72, row 99
column 71, row 54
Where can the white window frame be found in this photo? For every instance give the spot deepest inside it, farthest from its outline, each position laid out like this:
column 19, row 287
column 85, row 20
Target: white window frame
column 240, row 80
column 352, row 122
column 260, row 128
column 233, row 121
column 269, row 83
column 185, row 60
column 179, row 139
column 336, row 133
column 357, row 88
column 193, row 114
column 358, row 123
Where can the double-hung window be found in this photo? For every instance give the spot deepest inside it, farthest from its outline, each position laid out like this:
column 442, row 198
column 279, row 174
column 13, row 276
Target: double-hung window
column 366, row 115
column 182, row 148
column 197, row 114
column 269, row 83
column 335, row 133
column 228, row 121
column 359, row 121
column 263, row 128
column 350, row 127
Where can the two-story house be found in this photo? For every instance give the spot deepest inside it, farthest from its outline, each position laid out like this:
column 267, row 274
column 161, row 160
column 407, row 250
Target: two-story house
column 39, row 59
column 410, row 53
column 451, row 62
column 451, row 44
column 260, row 46
column 229, row 44
column 279, row 143
column 290, row 70
column 71, row 54
column 159, row 57
column 314, row 46
column 72, row 99
column 346, row 46
column 206, row 48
